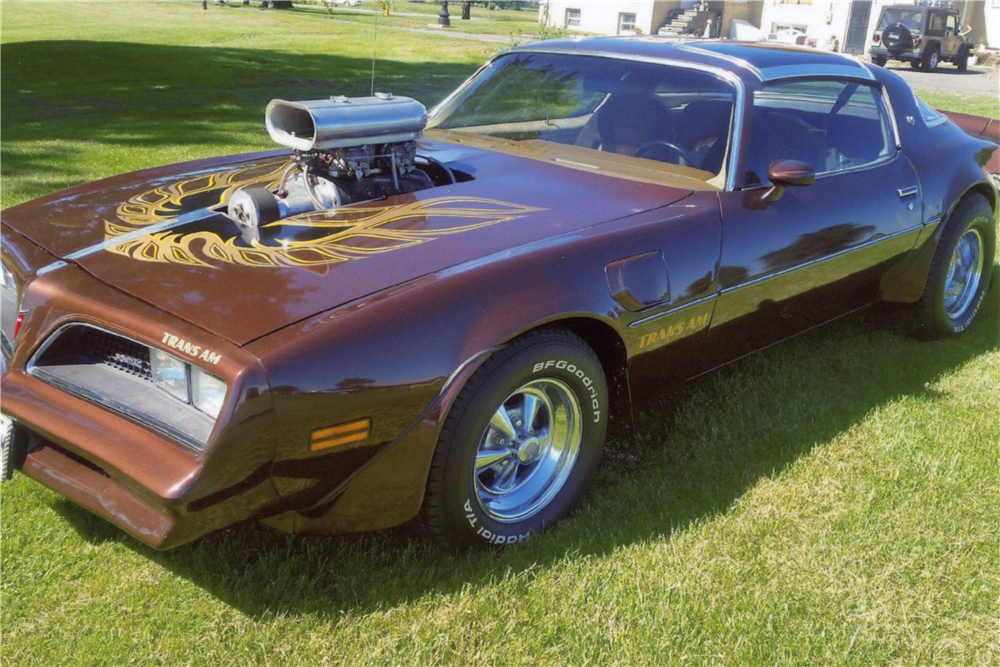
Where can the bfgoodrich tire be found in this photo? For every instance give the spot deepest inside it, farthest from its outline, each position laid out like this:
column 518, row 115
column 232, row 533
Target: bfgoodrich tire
column 960, row 271
column 520, row 444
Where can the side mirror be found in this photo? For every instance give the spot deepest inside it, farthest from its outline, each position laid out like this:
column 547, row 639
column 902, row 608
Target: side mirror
column 783, row 173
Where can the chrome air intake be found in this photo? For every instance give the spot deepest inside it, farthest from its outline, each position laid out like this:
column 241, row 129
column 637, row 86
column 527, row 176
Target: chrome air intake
column 347, row 149
column 343, row 122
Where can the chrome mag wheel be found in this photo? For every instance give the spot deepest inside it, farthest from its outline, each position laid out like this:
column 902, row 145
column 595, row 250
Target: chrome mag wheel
column 964, row 274
column 528, row 450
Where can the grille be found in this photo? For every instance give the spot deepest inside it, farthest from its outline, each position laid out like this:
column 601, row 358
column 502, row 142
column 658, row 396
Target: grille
column 117, row 352
column 84, row 345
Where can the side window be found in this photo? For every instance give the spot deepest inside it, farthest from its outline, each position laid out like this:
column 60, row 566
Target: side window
column 832, row 125
column 931, row 117
column 952, row 23
column 936, row 24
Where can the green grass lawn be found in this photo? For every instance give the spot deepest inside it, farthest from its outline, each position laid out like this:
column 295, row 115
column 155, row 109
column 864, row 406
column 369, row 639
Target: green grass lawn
column 834, row 500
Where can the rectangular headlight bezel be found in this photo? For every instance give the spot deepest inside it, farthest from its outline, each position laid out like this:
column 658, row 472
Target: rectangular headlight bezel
column 65, row 361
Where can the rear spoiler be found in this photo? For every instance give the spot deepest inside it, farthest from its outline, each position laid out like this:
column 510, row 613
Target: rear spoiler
column 981, row 128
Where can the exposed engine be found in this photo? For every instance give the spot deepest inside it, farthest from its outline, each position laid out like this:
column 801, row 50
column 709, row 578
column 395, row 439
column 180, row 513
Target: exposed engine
column 347, row 150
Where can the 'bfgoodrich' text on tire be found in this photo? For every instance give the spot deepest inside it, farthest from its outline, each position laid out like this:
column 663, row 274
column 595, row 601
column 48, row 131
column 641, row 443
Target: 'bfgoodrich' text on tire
column 520, row 444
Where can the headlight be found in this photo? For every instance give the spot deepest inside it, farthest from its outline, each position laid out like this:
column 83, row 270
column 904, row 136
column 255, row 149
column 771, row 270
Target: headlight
column 170, row 374
column 10, row 303
column 187, row 383
column 207, row 392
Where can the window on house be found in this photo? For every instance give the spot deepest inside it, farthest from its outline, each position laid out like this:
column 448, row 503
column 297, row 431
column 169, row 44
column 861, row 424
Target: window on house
column 626, row 23
column 572, row 18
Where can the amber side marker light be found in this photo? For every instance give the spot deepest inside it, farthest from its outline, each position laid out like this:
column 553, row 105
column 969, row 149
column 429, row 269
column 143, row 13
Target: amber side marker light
column 341, row 434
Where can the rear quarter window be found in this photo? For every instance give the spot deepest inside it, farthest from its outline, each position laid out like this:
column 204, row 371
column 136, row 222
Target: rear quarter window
column 930, row 116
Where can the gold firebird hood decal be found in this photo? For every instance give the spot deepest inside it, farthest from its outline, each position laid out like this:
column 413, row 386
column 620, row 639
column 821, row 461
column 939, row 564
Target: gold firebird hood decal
column 319, row 238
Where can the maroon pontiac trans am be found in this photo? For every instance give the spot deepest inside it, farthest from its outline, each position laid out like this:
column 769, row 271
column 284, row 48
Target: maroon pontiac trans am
column 404, row 314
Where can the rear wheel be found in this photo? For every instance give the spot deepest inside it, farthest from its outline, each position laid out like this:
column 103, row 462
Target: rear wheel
column 931, row 58
column 960, row 271
column 520, row 444
column 880, row 60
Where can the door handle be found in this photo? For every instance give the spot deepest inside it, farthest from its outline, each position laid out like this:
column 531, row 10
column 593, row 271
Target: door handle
column 908, row 192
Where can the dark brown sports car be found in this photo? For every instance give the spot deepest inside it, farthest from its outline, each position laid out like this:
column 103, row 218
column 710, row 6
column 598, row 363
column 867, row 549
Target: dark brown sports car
column 444, row 314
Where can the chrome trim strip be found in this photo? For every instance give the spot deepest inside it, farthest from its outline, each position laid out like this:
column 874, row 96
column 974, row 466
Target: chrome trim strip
column 827, row 174
column 736, row 123
column 51, row 267
column 756, row 281
column 673, row 311
column 907, row 192
column 732, row 60
column 800, row 71
column 850, row 68
column 892, row 118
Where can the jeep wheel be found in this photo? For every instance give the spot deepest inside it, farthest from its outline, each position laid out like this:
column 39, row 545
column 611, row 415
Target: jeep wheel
column 880, row 60
column 960, row 271
column 520, row 444
column 962, row 61
column 931, row 57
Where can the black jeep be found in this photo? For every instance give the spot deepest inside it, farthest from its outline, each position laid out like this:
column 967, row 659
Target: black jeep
column 923, row 36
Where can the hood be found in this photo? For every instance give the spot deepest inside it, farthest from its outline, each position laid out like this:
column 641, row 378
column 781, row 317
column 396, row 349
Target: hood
column 155, row 235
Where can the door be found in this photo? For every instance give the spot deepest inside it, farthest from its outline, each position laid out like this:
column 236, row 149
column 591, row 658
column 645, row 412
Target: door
column 818, row 251
column 951, row 42
column 857, row 27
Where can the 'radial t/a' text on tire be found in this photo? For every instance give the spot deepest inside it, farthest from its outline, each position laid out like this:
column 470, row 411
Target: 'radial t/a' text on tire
column 520, row 444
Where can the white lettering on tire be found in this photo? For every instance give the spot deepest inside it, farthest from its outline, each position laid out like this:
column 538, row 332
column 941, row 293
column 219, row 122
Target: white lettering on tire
column 560, row 364
column 488, row 535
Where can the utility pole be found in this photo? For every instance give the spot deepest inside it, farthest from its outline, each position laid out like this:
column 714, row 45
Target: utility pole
column 444, row 19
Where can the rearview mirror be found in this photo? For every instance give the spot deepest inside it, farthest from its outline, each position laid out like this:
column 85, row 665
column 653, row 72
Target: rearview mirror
column 783, row 173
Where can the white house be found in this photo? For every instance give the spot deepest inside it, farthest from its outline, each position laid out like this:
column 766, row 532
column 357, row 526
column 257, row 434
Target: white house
column 628, row 17
column 840, row 25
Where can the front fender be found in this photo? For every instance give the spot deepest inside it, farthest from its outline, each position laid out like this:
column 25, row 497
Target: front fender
column 399, row 358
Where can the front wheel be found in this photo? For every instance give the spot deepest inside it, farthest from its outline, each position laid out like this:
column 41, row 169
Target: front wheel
column 962, row 61
column 960, row 271
column 520, row 444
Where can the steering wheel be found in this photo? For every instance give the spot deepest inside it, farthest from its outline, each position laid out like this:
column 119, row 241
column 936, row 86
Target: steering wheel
column 664, row 151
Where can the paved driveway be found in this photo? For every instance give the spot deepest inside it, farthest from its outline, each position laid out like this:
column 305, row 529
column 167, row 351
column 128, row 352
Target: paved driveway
column 976, row 81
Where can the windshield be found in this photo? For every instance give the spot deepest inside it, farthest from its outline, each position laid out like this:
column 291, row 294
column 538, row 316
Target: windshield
column 912, row 18
column 641, row 110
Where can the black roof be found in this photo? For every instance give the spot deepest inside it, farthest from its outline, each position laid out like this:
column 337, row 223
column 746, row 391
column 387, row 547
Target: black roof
column 749, row 60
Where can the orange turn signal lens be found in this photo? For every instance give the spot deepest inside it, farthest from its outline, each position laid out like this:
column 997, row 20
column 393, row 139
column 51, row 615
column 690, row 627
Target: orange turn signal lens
column 341, row 434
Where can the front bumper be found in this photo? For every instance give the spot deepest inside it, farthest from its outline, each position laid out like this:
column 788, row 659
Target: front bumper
column 152, row 486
